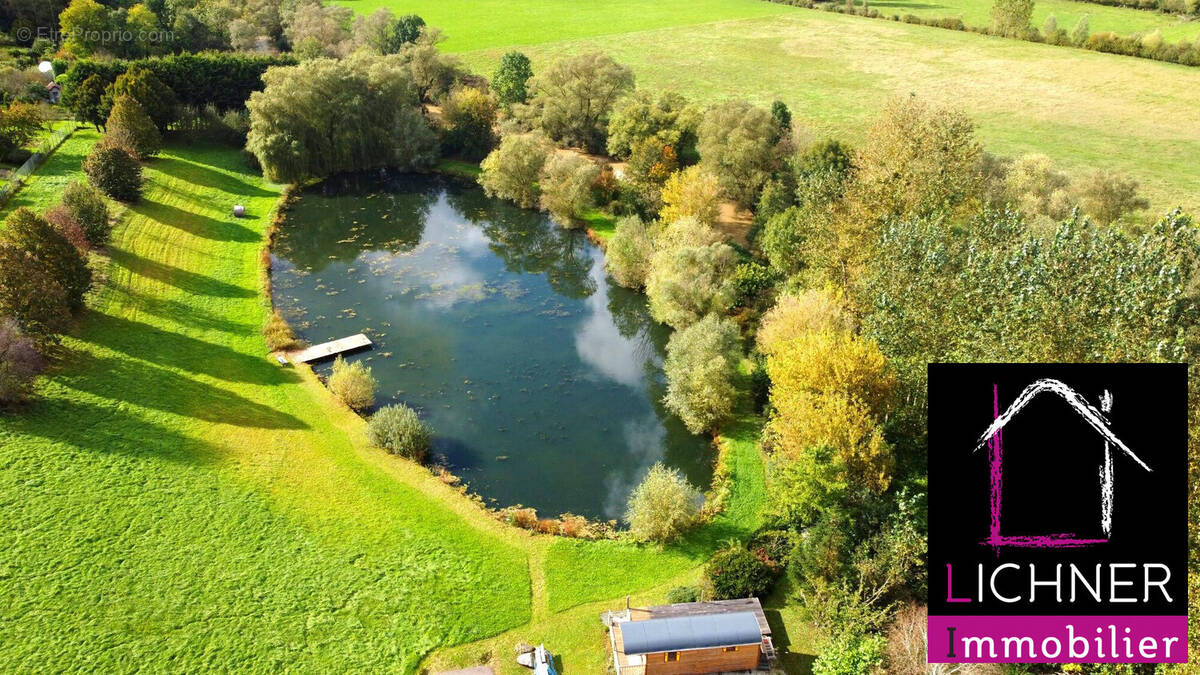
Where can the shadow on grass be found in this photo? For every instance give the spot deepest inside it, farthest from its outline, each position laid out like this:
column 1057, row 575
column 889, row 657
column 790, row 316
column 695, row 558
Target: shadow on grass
column 209, row 178
column 176, row 350
column 196, row 284
column 106, row 430
column 194, row 223
column 182, row 313
column 141, row 384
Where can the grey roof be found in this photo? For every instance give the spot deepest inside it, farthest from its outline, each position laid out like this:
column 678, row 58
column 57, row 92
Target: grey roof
column 690, row 632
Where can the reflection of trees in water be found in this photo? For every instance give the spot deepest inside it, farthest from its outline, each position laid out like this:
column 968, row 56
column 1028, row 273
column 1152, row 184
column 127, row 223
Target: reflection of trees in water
column 346, row 215
column 528, row 242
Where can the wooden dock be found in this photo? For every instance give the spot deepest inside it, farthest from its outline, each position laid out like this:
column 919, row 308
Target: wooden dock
column 328, row 349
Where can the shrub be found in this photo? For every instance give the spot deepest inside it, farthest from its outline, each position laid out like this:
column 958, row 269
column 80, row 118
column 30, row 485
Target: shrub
column 1108, row 196
column 687, row 283
column 683, row 594
column 353, row 383
column 850, row 655
column 279, row 334
column 525, row 519
column 738, row 573
column 62, row 222
column 20, row 362
column 663, row 506
column 751, row 279
column 398, row 429
column 512, row 170
column 566, row 186
column 701, row 365
column 575, row 526
column 773, row 546
column 548, row 526
column 113, row 171
column 58, row 258
column 627, row 256
column 31, row 295
column 89, row 210
column 129, row 127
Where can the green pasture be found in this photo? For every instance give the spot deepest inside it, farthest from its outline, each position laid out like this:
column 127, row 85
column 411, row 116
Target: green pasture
column 1084, row 109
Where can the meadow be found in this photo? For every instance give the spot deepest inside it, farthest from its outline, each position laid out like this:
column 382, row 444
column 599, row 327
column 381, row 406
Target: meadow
column 1084, row 109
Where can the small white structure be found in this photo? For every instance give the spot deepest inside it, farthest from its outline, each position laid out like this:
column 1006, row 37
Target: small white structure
column 239, row 211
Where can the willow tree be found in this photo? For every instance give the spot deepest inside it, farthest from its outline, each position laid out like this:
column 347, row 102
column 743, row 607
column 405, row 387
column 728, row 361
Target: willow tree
column 326, row 116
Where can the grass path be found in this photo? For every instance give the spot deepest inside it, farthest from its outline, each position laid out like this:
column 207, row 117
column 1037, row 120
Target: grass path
column 1084, row 109
column 173, row 499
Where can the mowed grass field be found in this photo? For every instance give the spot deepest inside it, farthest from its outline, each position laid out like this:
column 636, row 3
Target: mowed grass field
column 1101, row 18
column 479, row 24
column 1084, row 109
column 174, row 499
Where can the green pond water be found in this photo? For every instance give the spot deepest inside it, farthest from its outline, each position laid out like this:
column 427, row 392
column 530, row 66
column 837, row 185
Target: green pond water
column 541, row 378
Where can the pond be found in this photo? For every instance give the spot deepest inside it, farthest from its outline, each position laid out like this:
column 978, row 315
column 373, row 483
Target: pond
column 541, row 378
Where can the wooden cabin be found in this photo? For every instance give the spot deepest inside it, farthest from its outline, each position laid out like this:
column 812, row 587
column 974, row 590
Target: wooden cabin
column 724, row 636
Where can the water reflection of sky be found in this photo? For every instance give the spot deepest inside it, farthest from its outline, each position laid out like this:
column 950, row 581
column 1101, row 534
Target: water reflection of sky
column 541, row 379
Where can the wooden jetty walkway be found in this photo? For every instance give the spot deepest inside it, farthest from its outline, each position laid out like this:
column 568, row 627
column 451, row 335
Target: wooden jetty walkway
column 328, row 349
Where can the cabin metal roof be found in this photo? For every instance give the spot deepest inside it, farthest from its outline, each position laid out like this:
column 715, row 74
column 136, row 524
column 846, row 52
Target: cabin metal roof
column 690, row 632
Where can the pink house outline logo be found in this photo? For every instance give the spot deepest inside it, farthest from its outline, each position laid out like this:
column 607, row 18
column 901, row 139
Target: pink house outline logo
column 993, row 438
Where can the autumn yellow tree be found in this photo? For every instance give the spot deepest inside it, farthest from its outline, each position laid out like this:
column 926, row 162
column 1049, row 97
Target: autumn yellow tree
column 831, row 388
column 691, row 193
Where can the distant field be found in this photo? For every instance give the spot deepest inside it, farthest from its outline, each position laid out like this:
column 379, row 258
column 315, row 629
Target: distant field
column 480, row 24
column 1120, row 20
column 1084, row 109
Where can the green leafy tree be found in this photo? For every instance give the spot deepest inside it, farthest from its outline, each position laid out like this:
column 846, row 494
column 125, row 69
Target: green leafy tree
column 324, row 117
column 385, row 33
column 575, row 95
column 433, row 72
column 155, row 97
column 513, row 169
column 399, row 430
column 131, row 128
column 663, row 506
column 19, row 124
column 701, row 368
column 85, row 23
column 782, row 116
column 737, row 145
column 112, row 170
column 87, row 101
column 687, row 283
column 627, row 256
column 57, row 257
column 566, row 187
column 641, row 115
column 510, row 81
